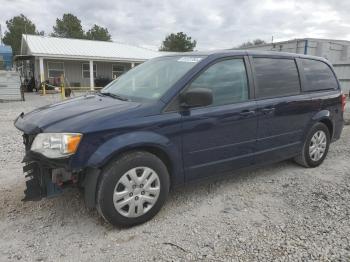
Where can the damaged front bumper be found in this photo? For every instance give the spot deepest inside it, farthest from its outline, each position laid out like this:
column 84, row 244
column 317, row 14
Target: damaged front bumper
column 45, row 177
column 49, row 177
column 39, row 182
column 49, row 180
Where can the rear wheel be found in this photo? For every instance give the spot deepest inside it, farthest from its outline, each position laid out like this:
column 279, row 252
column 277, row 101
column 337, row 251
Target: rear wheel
column 315, row 147
column 132, row 189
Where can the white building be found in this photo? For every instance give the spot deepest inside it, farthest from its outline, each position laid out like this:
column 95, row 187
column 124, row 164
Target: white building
column 336, row 51
column 79, row 61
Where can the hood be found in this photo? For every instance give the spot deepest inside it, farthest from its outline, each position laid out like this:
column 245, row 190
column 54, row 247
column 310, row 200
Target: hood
column 71, row 114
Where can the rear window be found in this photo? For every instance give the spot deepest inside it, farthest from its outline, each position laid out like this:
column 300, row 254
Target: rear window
column 318, row 76
column 276, row 77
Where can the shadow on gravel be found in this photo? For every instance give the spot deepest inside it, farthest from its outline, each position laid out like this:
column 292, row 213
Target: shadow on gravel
column 234, row 177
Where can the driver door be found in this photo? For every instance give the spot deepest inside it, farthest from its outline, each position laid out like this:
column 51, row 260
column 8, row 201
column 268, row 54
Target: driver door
column 220, row 137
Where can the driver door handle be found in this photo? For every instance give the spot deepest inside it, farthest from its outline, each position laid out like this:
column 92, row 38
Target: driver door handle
column 247, row 112
column 268, row 110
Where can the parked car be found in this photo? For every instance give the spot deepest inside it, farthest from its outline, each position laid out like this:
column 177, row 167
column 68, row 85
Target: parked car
column 181, row 118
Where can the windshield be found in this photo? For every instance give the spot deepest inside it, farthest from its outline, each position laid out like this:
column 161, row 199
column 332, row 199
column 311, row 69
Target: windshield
column 150, row 80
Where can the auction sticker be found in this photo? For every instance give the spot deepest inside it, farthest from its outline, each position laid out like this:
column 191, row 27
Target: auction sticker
column 190, row 59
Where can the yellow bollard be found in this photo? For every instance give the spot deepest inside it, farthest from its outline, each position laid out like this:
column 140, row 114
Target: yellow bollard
column 63, row 94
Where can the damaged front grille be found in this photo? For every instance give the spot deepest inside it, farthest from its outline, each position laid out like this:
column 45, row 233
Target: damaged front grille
column 34, row 189
column 39, row 182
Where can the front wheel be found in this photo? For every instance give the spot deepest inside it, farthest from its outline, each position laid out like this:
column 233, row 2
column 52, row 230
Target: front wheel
column 132, row 189
column 315, row 147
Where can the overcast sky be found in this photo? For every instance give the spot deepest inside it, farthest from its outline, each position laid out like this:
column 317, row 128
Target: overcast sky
column 214, row 24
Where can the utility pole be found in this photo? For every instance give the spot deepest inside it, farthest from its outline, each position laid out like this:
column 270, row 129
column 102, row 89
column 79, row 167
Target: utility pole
column 0, row 35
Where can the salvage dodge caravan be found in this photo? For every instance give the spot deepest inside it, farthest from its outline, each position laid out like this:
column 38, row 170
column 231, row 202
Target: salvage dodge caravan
column 180, row 118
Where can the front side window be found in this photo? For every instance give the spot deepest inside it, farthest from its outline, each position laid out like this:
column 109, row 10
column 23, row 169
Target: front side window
column 55, row 69
column 276, row 77
column 228, row 81
column 150, row 80
column 86, row 70
column 318, row 75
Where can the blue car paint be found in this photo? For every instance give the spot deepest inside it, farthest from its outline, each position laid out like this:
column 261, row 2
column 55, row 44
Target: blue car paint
column 217, row 138
column 199, row 142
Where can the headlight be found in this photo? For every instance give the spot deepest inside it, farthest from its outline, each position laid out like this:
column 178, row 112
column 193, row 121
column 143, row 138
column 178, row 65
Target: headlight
column 56, row 145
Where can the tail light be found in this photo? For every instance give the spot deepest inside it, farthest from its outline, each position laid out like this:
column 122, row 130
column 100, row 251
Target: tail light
column 343, row 102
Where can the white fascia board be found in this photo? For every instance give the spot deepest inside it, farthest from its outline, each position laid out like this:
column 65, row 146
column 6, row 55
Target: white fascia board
column 88, row 58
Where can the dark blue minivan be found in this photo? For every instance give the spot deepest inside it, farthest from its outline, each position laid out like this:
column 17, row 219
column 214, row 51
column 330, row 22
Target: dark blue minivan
column 180, row 118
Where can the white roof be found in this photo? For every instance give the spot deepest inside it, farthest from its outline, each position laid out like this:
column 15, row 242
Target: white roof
column 46, row 46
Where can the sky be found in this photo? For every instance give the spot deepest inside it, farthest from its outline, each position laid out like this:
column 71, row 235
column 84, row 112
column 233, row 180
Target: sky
column 216, row 24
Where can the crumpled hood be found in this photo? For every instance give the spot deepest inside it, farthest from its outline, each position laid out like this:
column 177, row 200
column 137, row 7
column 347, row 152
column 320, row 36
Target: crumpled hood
column 77, row 110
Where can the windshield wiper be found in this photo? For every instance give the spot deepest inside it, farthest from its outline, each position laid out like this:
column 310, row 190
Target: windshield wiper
column 114, row 96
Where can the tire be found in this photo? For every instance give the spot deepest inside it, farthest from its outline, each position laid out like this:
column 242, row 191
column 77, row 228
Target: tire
column 121, row 183
column 305, row 158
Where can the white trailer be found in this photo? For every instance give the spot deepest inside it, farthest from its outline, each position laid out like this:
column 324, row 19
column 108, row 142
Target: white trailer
column 10, row 86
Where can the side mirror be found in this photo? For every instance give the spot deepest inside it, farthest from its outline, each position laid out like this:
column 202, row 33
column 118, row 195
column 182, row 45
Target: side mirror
column 197, row 97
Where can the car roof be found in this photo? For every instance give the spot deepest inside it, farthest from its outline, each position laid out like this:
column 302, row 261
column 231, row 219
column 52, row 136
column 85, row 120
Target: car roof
column 230, row 52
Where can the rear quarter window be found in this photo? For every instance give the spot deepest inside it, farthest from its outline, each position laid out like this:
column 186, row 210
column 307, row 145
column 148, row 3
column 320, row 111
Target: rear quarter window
column 318, row 76
column 276, row 77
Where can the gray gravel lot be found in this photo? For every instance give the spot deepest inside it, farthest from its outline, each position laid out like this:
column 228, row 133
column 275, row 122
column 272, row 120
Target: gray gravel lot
column 279, row 212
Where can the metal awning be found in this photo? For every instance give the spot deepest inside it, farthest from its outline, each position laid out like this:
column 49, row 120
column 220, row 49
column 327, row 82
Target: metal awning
column 23, row 57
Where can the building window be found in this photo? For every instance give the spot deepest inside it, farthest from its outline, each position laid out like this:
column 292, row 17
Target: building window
column 86, row 70
column 55, row 69
column 118, row 70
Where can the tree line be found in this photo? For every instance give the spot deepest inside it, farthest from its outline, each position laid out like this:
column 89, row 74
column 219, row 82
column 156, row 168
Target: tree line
column 69, row 26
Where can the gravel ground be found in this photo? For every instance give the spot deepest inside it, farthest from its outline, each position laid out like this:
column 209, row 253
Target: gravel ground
column 280, row 212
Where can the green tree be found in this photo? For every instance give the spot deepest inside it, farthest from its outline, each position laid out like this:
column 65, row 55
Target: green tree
column 69, row 26
column 98, row 33
column 253, row 43
column 17, row 26
column 179, row 42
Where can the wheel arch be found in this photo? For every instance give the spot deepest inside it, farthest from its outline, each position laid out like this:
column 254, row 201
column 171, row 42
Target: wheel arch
column 324, row 117
column 329, row 125
column 150, row 148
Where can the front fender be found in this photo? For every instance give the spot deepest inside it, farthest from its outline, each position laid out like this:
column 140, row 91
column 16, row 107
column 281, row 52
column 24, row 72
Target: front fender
column 122, row 143
column 129, row 141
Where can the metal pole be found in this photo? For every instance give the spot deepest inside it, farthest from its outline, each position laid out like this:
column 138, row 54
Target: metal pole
column 0, row 35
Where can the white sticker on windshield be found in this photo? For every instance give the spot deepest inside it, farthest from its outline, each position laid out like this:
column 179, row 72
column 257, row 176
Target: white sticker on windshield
column 190, row 59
